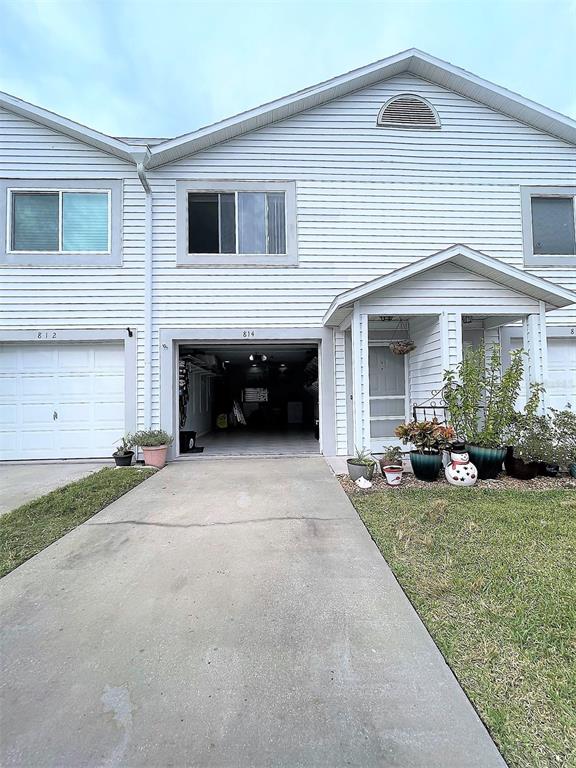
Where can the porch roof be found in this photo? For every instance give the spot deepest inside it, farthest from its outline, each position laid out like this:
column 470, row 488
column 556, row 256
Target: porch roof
column 554, row 296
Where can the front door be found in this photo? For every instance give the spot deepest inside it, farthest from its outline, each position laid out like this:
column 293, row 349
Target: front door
column 387, row 377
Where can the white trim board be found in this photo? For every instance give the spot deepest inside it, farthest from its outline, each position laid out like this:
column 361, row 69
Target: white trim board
column 535, row 287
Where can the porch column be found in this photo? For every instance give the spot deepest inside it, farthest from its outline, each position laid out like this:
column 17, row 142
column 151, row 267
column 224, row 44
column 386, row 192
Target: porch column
column 534, row 331
column 360, row 380
column 451, row 339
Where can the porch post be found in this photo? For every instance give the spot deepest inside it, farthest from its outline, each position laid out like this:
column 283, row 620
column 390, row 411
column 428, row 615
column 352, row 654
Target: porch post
column 360, row 381
column 534, row 331
column 451, row 339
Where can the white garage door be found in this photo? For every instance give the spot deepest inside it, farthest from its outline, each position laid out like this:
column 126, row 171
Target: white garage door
column 561, row 383
column 60, row 401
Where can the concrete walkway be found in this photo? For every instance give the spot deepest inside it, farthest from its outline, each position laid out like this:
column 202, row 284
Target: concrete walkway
column 20, row 483
column 225, row 614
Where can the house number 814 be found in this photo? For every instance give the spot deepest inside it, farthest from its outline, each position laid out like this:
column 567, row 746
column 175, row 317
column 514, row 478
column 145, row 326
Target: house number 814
column 248, row 334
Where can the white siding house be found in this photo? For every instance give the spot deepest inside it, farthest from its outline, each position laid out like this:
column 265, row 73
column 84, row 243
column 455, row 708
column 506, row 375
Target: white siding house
column 419, row 227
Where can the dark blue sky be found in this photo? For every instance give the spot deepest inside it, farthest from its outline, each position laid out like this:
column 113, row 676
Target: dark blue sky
column 147, row 68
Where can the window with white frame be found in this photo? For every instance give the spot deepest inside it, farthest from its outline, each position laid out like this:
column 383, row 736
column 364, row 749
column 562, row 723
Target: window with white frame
column 241, row 223
column 74, row 223
column 59, row 221
column 549, row 226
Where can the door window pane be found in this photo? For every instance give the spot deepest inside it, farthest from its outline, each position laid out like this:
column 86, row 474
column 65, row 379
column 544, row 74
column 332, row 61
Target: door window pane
column 386, row 372
column 276, row 223
column 84, row 221
column 252, row 222
column 395, row 407
column 203, row 235
column 228, row 223
column 553, row 225
column 35, row 221
column 384, row 429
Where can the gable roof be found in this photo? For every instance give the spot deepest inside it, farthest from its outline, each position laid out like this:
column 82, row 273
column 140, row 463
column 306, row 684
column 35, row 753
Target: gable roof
column 117, row 147
column 156, row 152
column 413, row 61
column 553, row 295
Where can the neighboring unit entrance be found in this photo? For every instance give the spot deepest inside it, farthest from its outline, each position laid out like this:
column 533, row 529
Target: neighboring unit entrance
column 61, row 401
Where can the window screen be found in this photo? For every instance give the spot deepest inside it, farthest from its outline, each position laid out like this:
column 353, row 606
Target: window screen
column 35, row 221
column 553, row 226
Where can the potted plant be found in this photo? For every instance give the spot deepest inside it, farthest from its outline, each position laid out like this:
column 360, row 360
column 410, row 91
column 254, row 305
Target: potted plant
column 391, row 464
column 429, row 439
column 123, row 454
column 481, row 400
column 361, row 465
column 533, row 447
column 154, row 444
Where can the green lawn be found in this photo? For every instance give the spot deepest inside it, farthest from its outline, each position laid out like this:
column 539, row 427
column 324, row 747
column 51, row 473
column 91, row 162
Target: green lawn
column 492, row 574
column 30, row 528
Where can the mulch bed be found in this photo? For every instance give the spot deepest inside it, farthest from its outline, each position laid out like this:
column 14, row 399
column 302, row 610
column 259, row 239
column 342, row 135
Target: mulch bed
column 502, row 483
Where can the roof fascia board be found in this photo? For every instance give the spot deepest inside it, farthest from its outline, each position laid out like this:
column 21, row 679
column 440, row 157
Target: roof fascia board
column 68, row 127
column 278, row 109
column 467, row 258
column 413, row 61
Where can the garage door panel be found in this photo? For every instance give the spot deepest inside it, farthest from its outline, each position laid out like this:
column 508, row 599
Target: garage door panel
column 83, row 383
column 561, row 380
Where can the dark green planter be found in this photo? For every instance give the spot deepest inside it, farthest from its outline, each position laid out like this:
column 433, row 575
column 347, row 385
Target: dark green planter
column 572, row 469
column 488, row 461
column 425, row 466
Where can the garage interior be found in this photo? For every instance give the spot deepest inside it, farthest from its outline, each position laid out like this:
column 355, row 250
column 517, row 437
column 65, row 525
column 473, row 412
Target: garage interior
column 248, row 400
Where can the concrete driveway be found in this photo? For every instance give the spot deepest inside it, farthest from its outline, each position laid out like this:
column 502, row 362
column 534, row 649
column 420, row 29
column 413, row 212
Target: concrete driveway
column 225, row 614
column 20, row 483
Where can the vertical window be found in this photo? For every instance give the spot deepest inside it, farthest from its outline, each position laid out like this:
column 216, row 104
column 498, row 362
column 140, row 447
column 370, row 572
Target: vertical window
column 237, row 223
column 60, row 222
column 553, row 226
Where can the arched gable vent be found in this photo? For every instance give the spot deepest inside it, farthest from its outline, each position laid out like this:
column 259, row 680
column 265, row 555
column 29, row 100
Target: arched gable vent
column 408, row 111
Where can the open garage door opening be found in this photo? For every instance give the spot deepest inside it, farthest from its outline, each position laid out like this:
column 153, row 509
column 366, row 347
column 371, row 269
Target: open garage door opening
column 248, row 400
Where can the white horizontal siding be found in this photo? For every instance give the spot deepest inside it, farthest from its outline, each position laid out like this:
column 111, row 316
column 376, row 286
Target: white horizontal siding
column 99, row 297
column 340, row 399
column 425, row 362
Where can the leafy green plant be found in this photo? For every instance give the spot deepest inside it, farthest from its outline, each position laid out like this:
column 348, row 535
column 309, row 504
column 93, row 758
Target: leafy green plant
column 481, row 398
column 126, row 445
column 426, row 436
column 151, row 438
column 392, row 455
column 362, row 458
column 564, row 430
column 532, row 438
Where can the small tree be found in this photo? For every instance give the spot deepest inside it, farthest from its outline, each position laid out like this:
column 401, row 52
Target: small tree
column 481, row 399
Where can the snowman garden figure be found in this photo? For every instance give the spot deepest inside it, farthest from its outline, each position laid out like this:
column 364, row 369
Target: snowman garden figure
column 460, row 470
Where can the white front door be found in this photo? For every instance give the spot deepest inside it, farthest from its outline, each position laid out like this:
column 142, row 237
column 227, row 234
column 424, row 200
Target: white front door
column 60, row 400
column 387, row 377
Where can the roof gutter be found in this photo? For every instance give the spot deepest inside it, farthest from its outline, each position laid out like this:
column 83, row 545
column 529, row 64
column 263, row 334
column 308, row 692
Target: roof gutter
column 141, row 158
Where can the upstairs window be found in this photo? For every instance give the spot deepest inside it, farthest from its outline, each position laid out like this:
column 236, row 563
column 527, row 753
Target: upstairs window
column 549, row 226
column 72, row 223
column 60, row 222
column 236, row 222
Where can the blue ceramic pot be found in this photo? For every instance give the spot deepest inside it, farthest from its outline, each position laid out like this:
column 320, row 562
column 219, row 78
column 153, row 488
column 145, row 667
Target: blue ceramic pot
column 426, row 466
column 488, row 461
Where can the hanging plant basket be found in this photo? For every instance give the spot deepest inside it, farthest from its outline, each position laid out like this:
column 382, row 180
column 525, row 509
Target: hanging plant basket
column 402, row 347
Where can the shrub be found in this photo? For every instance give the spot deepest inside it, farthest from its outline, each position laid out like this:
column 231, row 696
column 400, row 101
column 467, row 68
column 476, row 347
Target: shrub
column 151, row 438
column 426, row 436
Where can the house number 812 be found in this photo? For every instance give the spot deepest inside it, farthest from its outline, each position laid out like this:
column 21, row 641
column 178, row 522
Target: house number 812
column 46, row 335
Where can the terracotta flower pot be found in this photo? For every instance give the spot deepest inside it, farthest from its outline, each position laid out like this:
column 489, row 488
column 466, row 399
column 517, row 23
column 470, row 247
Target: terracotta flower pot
column 155, row 456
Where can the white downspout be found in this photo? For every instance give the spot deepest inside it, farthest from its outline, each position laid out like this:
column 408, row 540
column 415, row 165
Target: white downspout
column 148, row 289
